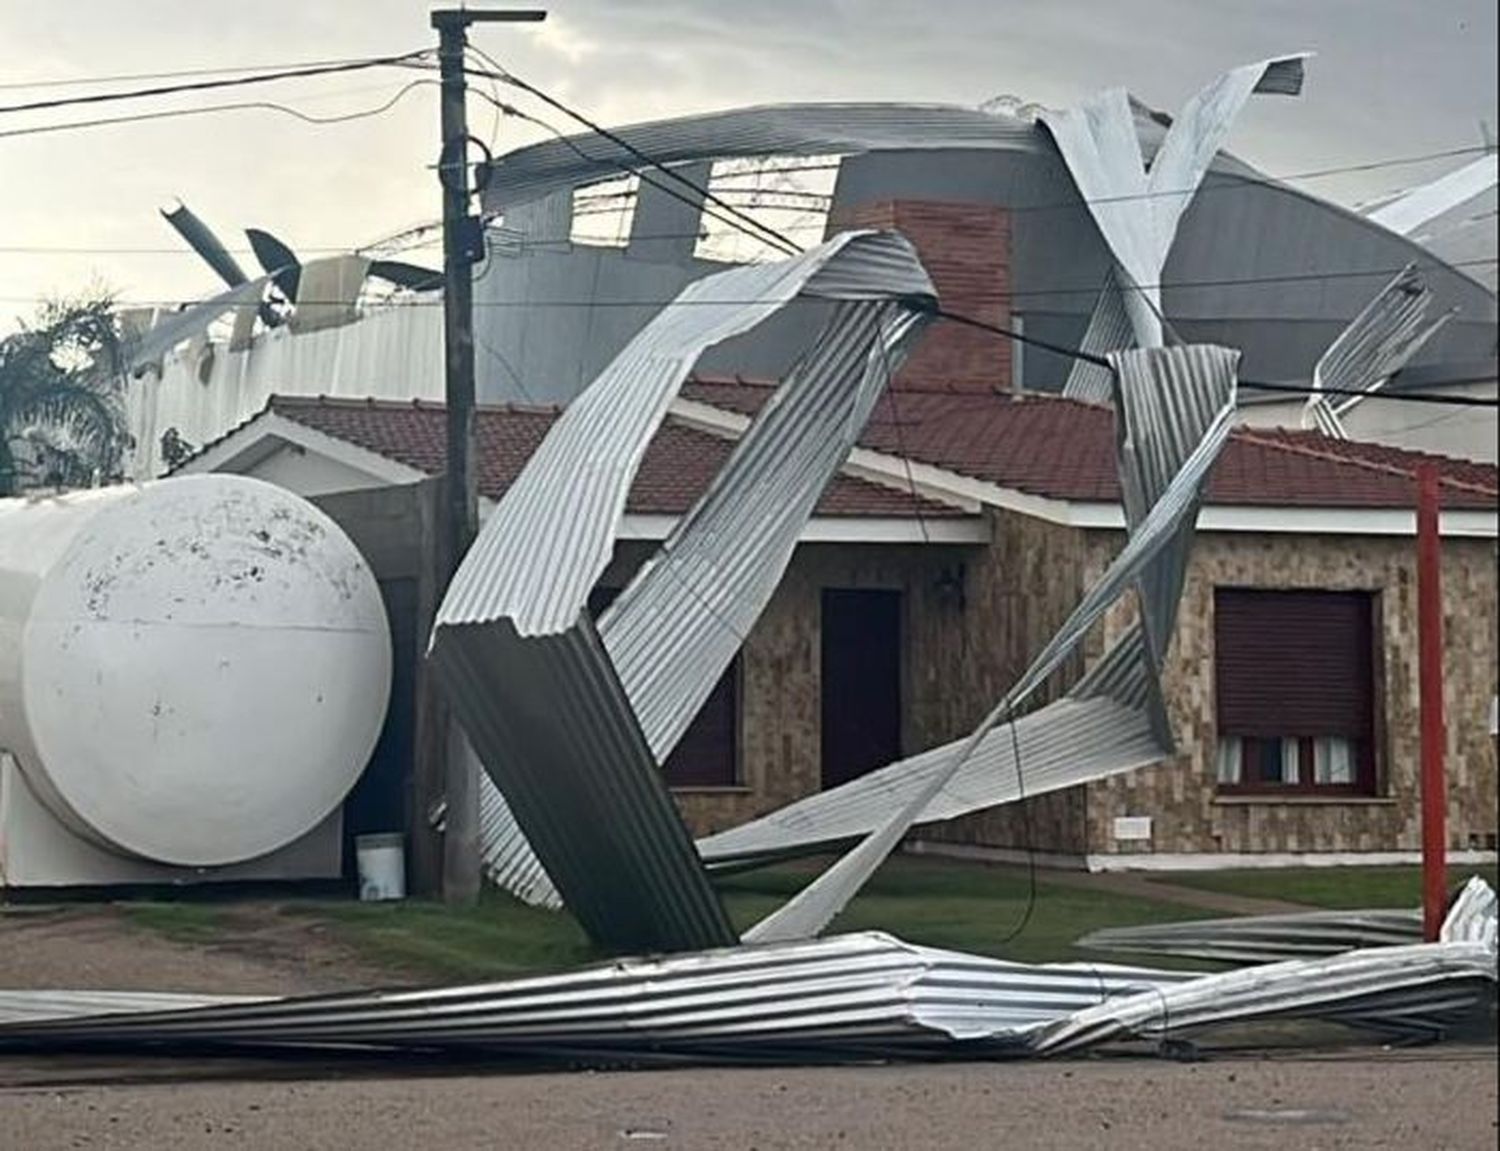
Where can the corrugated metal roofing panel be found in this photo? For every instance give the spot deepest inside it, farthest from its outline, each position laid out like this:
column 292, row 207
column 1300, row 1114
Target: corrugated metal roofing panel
column 848, row 998
column 1175, row 409
column 1263, row 938
column 1138, row 211
column 1108, row 330
column 1378, row 343
column 771, row 130
column 570, row 724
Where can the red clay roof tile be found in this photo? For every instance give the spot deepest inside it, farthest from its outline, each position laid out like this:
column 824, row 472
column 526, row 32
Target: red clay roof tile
column 1050, row 446
column 677, row 467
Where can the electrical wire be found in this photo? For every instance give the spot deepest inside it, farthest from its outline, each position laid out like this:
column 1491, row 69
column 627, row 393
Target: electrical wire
column 1014, row 295
column 1234, row 181
column 941, row 313
column 1025, row 809
column 703, row 205
column 701, row 194
column 889, row 394
column 130, row 77
column 495, row 100
column 1092, row 290
column 245, row 106
column 291, row 73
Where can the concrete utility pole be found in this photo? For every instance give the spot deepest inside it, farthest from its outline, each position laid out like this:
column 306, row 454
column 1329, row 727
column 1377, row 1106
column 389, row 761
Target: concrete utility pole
column 463, row 246
column 1430, row 677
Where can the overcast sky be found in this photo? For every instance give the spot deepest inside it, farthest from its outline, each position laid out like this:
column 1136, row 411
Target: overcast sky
column 1393, row 78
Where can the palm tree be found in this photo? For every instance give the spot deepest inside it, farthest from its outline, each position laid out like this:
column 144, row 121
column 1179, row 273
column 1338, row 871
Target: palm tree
column 62, row 418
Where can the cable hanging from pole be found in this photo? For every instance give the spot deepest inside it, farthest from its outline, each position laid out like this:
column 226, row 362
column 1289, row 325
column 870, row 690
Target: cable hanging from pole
column 294, row 73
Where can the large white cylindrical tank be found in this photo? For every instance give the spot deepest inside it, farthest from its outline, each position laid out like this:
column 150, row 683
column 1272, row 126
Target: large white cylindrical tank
column 192, row 671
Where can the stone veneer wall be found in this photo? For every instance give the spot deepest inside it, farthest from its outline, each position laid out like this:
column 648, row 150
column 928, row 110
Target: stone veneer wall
column 780, row 693
column 1018, row 589
column 1019, row 592
column 1180, row 795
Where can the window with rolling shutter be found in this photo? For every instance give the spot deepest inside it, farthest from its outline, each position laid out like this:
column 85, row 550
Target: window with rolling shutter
column 1294, row 675
column 708, row 754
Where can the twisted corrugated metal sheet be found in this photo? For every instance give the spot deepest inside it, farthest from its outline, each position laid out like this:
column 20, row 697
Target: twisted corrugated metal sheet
column 1263, row 938
column 1378, row 343
column 1138, row 211
column 193, row 321
column 1415, row 991
column 1300, row 935
column 1175, row 408
column 847, row 997
column 19, row 1008
column 1412, row 209
column 1108, row 330
column 1472, row 918
column 571, row 721
column 850, row 998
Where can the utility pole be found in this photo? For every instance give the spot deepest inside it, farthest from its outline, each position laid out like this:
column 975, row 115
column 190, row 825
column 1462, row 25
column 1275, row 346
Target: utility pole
column 1430, row 680
column 463, row 246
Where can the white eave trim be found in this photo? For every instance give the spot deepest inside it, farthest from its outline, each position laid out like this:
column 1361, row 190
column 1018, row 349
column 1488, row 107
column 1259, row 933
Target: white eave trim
column 269, row 432
column 954, row 488
column 841, row 529
column 1461, row 523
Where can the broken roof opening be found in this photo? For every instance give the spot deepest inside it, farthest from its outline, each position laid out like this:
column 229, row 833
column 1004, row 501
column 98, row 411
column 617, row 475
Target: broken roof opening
column 789, row 195
column 603, row 213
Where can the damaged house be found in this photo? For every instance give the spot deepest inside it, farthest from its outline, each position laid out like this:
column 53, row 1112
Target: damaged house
column 978, row 503
column 950, row 548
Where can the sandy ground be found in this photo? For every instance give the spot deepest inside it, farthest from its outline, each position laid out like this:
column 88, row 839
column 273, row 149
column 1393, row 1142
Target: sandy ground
column 1368, row 1097
column 97, row 947
column 1444, row 1098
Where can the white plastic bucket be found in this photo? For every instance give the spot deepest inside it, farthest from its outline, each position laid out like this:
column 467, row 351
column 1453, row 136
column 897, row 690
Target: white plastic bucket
column 381, row 861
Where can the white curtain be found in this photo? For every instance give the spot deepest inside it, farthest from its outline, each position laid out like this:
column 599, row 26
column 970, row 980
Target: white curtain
column 1291, row 760
column 1231, row 759
column 1333, row 760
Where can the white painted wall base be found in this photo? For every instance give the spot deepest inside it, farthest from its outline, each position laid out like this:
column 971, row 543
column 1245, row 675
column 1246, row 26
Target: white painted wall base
column 1202, row 861
column 1237, row 861
column 1053, row 859
column 38, row 851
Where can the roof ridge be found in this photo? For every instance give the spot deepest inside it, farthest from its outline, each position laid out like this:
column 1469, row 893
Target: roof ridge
column 415, row 403
column 1248, row 435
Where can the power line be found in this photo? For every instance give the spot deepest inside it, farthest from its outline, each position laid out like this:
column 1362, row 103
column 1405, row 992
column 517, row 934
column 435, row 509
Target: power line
column 1089, row 290
column 1020, row 337
column 1307, row 390
column 998, row 330
column 1293, row 389
column 702, row 205
column 253, row 105
column 1234, row 181
column 505, row 77
column 130, row 77
column 293, row 73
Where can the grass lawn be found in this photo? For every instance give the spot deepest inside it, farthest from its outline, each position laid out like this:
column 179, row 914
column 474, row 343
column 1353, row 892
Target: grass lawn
column 1337, row 887
column 186, row 922
column 964, row 906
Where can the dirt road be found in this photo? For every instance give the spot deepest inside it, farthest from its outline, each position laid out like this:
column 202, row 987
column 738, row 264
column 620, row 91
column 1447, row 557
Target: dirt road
column 1441, row 1098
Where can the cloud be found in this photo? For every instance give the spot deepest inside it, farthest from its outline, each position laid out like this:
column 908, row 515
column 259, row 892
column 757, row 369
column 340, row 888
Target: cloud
column 1392, row 78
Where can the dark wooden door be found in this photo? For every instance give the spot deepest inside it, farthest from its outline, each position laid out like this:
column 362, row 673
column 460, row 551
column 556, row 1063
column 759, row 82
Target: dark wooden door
column 861, row 712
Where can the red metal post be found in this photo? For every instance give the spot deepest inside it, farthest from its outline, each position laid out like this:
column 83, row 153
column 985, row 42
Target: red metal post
column 1430, row 674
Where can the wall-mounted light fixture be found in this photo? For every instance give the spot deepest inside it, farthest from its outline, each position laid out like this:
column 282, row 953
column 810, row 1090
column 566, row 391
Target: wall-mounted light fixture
column 949, row 586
